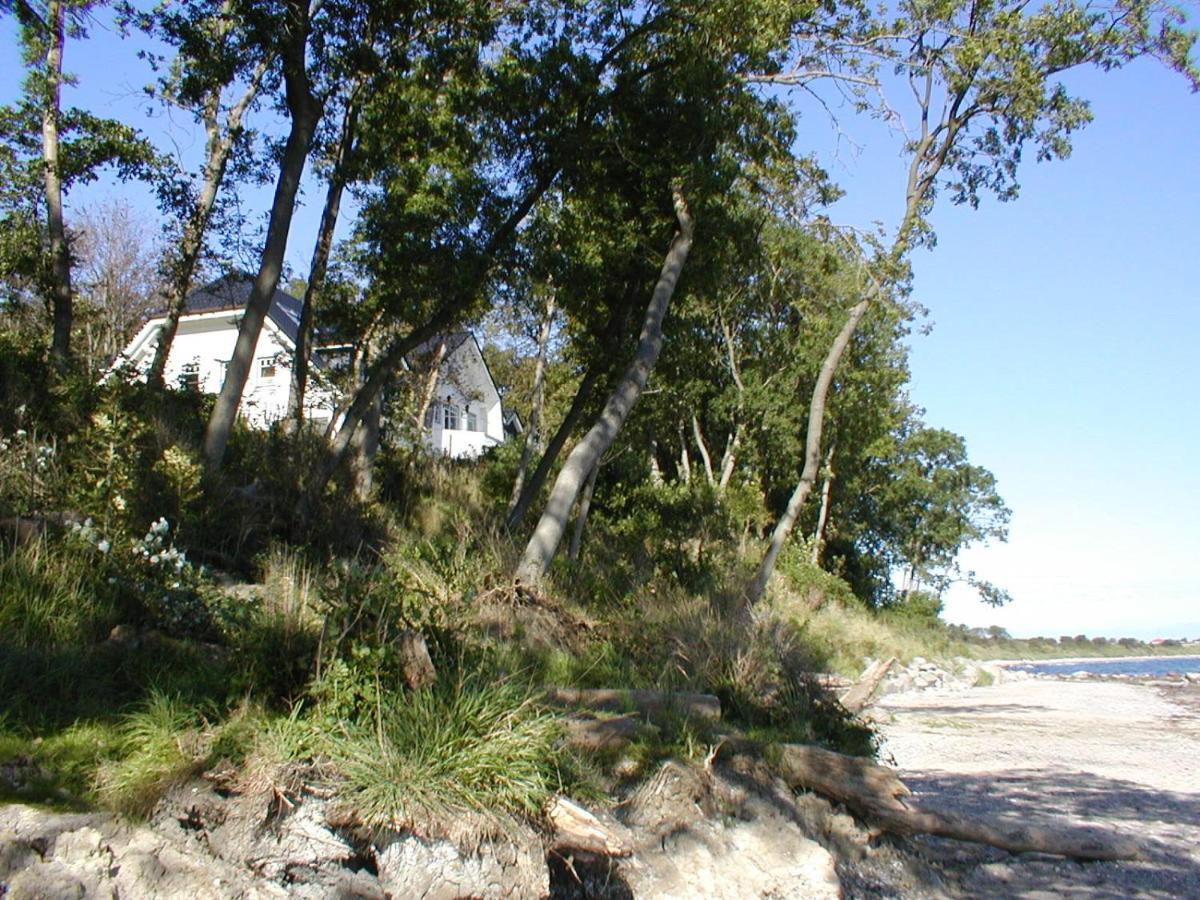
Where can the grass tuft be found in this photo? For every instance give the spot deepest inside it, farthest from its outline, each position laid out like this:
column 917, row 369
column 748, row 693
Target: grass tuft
column 162, row 744
column 464, row 748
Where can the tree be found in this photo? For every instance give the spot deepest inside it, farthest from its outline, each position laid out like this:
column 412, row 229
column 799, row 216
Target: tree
column 584, row 459
column 217, row 78
column 935, row 503
column 983, row 75
column 117, row 262
column 287, row 32
column 74, row 144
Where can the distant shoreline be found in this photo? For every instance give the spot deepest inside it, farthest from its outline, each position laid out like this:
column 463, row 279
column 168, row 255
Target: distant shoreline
column 1067, row 660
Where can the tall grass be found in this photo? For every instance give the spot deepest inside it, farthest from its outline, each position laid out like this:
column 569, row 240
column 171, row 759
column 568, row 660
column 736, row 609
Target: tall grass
column 467, row 747
column 162, row 743
column 51, row 597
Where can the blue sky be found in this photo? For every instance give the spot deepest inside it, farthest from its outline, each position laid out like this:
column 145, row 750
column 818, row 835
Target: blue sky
column 1065, row 331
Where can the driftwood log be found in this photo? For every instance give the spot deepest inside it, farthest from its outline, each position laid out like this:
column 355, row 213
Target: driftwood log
column 577, row 829
column 860, row 694
column 876, row 793
column 649, row 703
column 590, row 733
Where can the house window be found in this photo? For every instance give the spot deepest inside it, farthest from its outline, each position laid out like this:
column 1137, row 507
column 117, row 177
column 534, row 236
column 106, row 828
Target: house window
column 189, row 377
column 266, row 367
column 450, row 417
column 472, row 420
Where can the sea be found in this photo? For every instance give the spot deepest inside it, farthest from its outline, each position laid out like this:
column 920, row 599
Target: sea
column 1146, row 666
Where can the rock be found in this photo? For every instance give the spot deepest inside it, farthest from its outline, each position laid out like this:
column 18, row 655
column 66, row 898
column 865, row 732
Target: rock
column 49, row 881
column 411, row 866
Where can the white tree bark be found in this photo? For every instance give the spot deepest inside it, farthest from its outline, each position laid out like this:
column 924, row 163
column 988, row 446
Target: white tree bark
column 818, row 541
column 549, row 531
column 812, row 453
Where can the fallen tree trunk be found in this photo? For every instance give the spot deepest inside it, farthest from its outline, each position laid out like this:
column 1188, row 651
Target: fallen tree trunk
column 860, row 694
column 585, row 732
column 577, row 829
column 874, row 792
column 649, row 703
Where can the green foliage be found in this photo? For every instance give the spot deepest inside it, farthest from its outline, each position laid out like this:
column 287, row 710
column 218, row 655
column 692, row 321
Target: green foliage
column 468, row 745
column 52, row 596
column 917, row 607
column 160, row 746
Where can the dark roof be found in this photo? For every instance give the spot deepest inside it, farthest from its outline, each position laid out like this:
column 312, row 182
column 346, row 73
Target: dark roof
column 454, row 340
column 233, row 290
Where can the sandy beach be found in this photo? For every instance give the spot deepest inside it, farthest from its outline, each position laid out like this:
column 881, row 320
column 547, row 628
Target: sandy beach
column 1104, row 754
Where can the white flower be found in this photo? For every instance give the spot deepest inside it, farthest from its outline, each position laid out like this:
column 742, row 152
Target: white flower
column 20, row 432
column 104, row 546
column 154, row 560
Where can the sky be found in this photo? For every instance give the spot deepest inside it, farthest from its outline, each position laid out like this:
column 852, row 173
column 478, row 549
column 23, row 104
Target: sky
column 1065, row 329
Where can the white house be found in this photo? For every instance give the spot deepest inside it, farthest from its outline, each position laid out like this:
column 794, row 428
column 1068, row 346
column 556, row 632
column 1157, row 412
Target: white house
column 465, row 416
column 464, row 419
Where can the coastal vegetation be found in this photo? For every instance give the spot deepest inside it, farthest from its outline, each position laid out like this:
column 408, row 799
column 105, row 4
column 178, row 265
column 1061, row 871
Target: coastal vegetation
column 723, row 487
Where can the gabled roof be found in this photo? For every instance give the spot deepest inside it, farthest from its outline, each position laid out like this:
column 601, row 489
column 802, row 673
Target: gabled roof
column 454, row 340
column 233, row 290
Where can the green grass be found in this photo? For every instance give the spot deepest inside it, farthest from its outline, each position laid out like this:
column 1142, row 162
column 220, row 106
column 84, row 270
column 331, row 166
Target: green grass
column 461, row 747
column 52, row 597
column 161, row 744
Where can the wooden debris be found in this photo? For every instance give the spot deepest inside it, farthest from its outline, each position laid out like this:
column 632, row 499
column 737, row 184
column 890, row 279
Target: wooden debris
column 593, row 734
column 876, row 793
column 577, row 829
column 414, row 654
column 857, row 698
column 649, row 703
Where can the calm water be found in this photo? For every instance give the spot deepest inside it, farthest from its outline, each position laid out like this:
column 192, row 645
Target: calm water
column 1159, row 665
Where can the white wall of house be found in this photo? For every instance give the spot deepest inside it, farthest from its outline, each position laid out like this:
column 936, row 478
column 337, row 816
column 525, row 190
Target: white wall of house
column 465, row 418
column 203, row 346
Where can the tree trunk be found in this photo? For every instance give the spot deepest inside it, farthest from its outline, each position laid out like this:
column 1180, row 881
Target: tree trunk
column 818, row 541
column 320, row 261
column 366, row 448
column 533, row 435
column 860, row 694
column 729, row 460
column 874, row 792
column 218, row 149
column 60, row 253
column 656, row 475
column 585, row 504
column 704, row 457
column 431, row 380
column 305, row 114
column 549, row 531
column 812, row 453
column 533, row 486
column 685, row 461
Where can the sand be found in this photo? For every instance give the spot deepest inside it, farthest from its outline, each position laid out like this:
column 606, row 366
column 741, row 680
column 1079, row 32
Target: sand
column 1108, row 754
